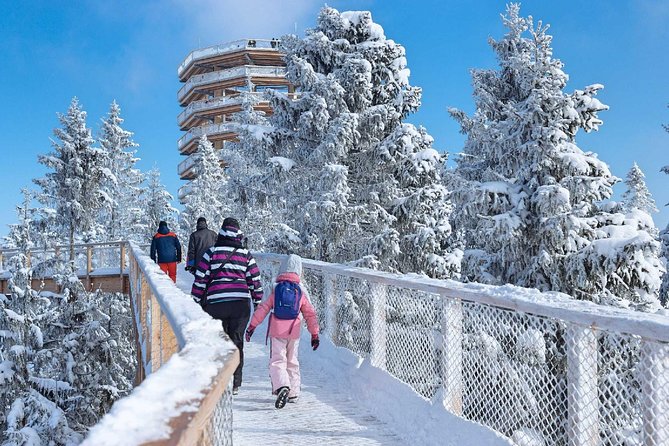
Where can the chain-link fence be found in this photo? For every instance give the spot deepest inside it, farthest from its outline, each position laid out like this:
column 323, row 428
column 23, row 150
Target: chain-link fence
column 563, row 372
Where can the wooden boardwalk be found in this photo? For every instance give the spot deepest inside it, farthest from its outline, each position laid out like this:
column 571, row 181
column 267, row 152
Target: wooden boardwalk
column 324, row 414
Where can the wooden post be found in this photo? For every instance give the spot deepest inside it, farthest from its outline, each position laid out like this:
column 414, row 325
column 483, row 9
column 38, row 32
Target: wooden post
column 155, row 327
column 168, row 341
column 89, row 265
column 655, row 390
column 330, row 299
column 28, row 260
column 122, row 265
column 379, row 341
column 2, row 261
column 582, row 389
column 451, row 358
column 143, row 321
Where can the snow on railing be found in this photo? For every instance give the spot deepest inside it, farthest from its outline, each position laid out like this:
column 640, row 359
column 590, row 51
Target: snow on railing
column 229, row 47
column 245, row 71
column 211, row 104
column 209, row 130
column 94, row 262
column 540, row 368
column 186, row 366
column 185, row 190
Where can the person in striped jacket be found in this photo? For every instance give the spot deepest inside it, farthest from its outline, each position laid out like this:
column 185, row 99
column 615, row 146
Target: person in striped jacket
column 227, row 281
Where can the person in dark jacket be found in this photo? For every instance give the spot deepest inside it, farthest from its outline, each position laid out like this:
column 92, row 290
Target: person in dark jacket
column 227, row 280
column 166, row 250
column 202, row 239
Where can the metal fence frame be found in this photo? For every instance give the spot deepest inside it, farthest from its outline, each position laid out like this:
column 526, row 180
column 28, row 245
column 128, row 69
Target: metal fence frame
column 598, row 372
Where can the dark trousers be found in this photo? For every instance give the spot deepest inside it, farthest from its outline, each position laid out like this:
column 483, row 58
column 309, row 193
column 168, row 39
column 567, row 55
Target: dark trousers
column 235, row 317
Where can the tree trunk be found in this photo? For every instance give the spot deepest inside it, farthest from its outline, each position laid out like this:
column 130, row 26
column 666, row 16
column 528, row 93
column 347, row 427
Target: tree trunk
column 72, row 243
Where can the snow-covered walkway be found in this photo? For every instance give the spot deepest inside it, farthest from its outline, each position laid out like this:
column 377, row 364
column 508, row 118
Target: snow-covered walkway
column 323, row 415
column 344, row 401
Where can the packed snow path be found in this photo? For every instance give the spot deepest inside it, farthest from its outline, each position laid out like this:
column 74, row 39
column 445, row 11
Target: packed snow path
column 344, row 401
column 323, row 414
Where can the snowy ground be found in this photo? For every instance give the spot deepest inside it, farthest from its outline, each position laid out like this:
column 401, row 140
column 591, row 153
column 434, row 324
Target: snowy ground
column 344, row 401
column 322, row 415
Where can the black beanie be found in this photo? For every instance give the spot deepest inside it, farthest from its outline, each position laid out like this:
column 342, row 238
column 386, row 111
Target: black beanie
column 230, row 222
column 201, row 220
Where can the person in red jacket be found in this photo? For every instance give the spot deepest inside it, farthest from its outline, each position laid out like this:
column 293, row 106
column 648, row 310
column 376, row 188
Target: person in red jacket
column 166, row 250
column 284, row 329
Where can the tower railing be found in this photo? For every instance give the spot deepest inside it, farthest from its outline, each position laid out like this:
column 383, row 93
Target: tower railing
column 244, row 71
column 228, row 47
column 213, row 103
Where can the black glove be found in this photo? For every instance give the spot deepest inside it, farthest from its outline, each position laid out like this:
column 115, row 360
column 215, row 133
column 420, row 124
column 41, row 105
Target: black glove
column 255, row 304
column 315, row 342
column 249, row 333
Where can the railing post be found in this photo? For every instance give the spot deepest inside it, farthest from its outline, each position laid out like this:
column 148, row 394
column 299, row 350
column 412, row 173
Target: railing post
column 2, row 261
column 156, row 350
column 379, row 298
column 655, row 390
column 144, row 315
column 330, row 299
column 168, row 341
column 451, row 357
column 582, row 389
column 122, row 265
column 89, row 264
column 28, row 260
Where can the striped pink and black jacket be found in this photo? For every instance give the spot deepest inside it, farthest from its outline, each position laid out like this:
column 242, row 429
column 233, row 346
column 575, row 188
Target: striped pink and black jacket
column 235, row 276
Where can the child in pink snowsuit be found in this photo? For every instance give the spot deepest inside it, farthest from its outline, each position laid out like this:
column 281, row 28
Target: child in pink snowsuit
column 284, row 368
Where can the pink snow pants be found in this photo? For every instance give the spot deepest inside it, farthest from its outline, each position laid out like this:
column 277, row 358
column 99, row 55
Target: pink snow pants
column 284, row 368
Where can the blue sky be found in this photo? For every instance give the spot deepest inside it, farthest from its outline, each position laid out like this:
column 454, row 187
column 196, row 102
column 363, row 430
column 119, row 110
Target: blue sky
column 129, row 51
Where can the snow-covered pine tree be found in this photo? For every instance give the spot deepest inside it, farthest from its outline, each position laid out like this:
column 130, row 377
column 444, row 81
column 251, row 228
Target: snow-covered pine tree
column 121, row 185
column 527, row 197
column 205, row 199
column 156, row 204
column 621, row 266
column 423, row 207
column 251, row 177
column 524, row 192
column 637, row 196
column 72, row 187
column 664, row 250
column 330, row 145
column 29, row 398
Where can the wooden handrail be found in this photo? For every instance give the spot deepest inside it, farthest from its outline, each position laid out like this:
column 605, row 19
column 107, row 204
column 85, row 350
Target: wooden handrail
column 57, row 248
column 186, row 363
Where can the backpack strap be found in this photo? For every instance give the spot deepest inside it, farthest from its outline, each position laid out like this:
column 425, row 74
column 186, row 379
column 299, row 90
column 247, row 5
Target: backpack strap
column 211, row 276
column 299, row 303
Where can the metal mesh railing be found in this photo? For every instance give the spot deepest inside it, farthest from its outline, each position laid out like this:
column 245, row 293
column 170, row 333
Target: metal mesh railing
column 537, row 373
column 219, row 428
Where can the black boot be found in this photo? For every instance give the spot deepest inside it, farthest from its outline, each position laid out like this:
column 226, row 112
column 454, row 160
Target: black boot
column 282, row 396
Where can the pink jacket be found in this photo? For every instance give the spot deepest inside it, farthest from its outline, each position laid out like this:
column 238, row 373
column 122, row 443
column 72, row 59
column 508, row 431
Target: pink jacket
column 281, row 328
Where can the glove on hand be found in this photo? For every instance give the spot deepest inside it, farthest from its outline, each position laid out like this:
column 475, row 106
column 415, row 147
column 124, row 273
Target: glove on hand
column 249, row 333
column 315, row 342
column 255, row 304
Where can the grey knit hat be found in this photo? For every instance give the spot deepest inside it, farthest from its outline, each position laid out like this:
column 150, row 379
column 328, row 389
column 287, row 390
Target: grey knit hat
column 291, row 264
